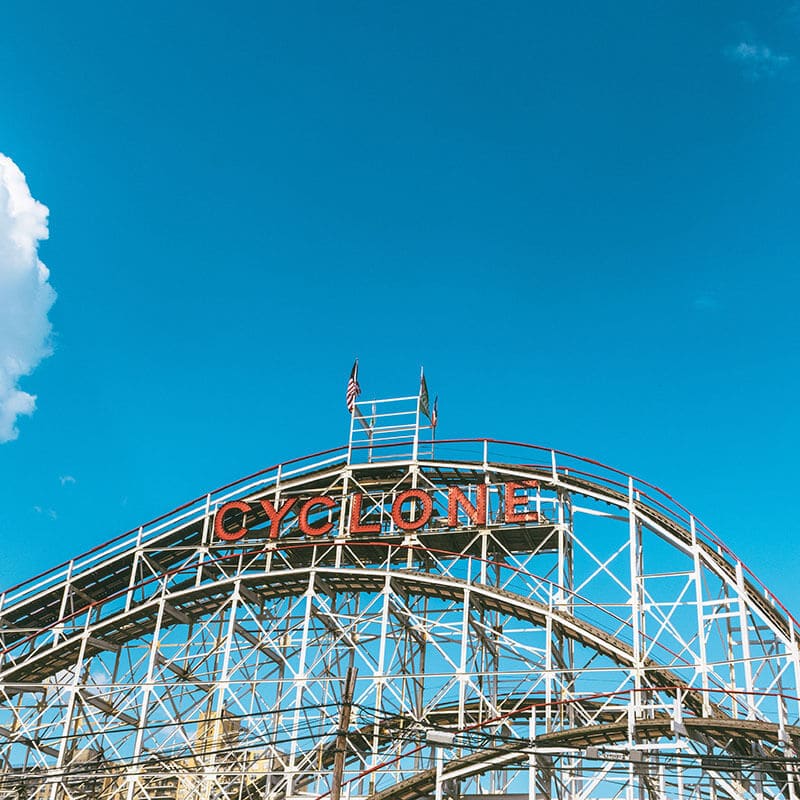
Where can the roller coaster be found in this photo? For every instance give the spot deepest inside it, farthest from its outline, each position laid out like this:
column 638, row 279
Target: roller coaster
column 521, row 623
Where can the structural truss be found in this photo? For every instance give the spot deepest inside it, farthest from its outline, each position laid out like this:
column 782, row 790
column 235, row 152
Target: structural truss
column 606, row 645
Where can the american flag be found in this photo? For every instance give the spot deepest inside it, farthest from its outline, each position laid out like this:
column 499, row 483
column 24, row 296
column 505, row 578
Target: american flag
column 424, row 402
column 353, row 389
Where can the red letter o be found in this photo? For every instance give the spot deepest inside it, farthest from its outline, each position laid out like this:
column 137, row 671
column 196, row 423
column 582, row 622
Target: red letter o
column 423, row 498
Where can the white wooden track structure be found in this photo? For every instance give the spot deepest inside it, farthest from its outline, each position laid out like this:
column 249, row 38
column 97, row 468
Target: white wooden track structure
column 611, row 648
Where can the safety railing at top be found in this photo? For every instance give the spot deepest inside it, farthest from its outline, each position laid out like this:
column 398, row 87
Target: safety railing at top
column 476, row 451
column 181, row 516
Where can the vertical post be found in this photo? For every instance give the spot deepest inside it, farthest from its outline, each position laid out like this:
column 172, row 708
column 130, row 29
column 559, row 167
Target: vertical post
column 344, row 510
column 759, row 784
column 299, row 682
column 433, row 438
column 569, row 585
column 415, row 448
column 631, row 782
column 730, row 660
column 438, row 793
column 701, row 627
column 341, row 734
column 548, row 671
column 204, row 542
column 795, row 656
column 380, row 675
column 637, row 621
column 532, row 757
column 223, row 682
column 69, row 715
column 462, row 661
column 371, row 431
column 560, row 597
column 134, row 570
column 791, row 775
column 744, row 632
column 2, row 637
column 147, row 690
column 58, row 630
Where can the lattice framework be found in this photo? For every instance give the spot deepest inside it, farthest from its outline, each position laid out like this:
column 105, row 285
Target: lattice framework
column 614, row 648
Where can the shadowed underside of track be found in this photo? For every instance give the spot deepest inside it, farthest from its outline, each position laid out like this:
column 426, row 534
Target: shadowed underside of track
column 195, row 603
column 734, row 736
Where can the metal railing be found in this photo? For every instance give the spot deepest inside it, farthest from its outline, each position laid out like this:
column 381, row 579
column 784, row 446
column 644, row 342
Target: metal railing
column 557, row 464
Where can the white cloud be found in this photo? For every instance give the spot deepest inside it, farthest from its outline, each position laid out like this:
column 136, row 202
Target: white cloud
column 65, row 479
column 48, row 512
column 25, row 295
column 758, row 60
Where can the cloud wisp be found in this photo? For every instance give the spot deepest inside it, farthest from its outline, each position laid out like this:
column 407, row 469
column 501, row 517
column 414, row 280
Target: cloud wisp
column 48, row 512
column 757, row 60
column 26, row 296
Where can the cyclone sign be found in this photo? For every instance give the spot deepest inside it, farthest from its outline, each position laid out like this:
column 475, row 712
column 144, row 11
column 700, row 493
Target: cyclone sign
column 409, row 510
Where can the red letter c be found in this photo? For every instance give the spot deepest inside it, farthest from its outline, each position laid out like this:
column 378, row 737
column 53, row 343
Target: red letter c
column 219, row 520
column 315, row 530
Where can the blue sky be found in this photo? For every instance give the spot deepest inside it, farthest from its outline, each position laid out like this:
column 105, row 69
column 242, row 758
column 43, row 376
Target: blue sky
column 581, row 218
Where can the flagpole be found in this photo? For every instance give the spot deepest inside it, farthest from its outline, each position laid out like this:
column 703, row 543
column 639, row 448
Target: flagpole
column 433, row 426
column 350, row 440
column 415, row 451
column 351, row 396
column 371, row 431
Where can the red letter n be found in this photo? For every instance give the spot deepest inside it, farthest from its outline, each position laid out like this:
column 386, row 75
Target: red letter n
column 457, row 499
